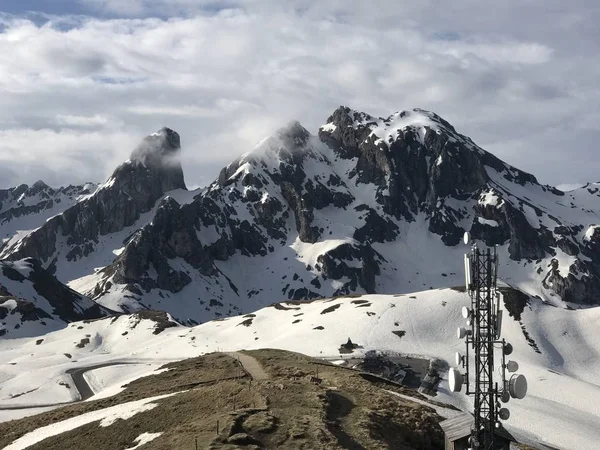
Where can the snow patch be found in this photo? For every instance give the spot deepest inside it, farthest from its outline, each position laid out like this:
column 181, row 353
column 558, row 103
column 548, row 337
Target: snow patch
column 590, row 232
column 106, row 416
column 488, row 222
column 144, row 438
column 330, row 127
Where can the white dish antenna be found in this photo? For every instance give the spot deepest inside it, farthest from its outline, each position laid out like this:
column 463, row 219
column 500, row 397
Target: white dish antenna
column 517, row 386
column 467, row 238
column 455, row 380
column 466, row 312
column 458, row 359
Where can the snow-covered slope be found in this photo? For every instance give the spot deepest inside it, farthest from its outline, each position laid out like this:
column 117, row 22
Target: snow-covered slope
column 26, row 208
column 556, row 349
column 33, row 302
column 371, row 205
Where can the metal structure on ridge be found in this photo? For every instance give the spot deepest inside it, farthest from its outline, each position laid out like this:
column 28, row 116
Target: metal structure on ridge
column 482, row 337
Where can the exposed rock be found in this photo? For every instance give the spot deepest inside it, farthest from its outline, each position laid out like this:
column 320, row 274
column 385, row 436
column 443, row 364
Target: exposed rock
column 133, row 189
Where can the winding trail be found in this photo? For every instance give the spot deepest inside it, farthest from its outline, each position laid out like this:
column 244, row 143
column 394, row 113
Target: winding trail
column 80, row 383
column 250, row 365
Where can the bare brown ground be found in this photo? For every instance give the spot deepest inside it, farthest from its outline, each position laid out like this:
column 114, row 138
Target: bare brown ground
column 287, row 411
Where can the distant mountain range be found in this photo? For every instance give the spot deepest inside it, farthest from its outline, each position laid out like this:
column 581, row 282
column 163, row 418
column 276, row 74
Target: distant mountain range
column 368, row 205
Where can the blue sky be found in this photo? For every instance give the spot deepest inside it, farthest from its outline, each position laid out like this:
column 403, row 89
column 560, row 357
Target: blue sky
column 102, row 9
column 81, row 86
column 45, row 6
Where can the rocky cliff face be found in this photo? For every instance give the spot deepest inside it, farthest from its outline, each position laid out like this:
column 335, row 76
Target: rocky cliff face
column 132, row 190
column 368, row 205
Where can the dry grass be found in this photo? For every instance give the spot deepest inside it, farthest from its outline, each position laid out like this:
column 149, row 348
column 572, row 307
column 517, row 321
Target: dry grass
column 288, row 411
column 351, row 412
column 184, row 375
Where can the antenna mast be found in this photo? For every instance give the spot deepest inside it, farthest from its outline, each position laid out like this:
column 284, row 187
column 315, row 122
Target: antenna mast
column 484, row 320
column 484, row 288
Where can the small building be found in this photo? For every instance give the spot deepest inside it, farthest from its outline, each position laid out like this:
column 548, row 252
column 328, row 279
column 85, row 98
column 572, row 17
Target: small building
column 457, row 432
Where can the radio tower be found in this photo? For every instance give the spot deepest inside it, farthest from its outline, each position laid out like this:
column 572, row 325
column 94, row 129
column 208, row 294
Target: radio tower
column 484, row 322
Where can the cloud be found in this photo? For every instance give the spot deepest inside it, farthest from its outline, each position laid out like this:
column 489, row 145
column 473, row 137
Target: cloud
column 82, row 91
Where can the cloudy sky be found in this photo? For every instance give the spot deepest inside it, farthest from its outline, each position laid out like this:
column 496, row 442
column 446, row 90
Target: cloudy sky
column 82, row 81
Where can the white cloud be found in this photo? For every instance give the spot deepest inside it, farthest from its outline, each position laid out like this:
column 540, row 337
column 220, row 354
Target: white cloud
column 81, row 121
column 81, row 92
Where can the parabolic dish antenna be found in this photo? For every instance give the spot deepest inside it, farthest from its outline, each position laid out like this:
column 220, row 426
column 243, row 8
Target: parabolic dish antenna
column 466, row 312
column 459, row 359
column 504, row 413
column 512, row 366
column 517, row 386
column 455, row 380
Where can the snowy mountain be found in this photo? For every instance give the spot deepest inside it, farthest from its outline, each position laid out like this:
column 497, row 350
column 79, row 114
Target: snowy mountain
column 33, row 302
column 557, row 349
column 90, row 233
column 24, row 208
column 370, row 205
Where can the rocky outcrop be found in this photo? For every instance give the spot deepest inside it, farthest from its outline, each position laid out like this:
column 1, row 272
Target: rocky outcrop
column 132, row 190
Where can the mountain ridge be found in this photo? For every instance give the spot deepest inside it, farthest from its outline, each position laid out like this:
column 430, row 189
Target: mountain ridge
column 332, row 214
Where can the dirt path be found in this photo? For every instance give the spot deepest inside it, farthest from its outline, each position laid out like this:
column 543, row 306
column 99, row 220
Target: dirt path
column 250, row 365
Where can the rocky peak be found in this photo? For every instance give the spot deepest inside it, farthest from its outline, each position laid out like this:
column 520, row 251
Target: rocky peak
column 38, row 187
column 293, row 135
column 133, row 189
column 158, row 149
column 153, row 168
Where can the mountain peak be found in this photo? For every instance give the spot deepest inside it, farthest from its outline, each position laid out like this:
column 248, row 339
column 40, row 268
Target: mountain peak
column 158, row 149
column 387, row 129
column 293, row 134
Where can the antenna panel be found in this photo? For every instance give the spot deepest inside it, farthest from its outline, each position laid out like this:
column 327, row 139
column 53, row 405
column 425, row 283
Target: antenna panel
column 467, row 272
column 498, row 324
column 467, row 238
